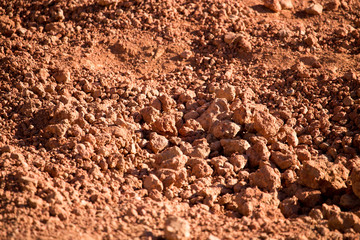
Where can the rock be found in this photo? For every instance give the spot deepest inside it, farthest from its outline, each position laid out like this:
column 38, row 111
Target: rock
column 219, row 105
column 176, row 228
column 149, row 114
column 303, row 155
column 343, row 221
column 190, row 128
column 326, row 176
column 157, row 142
column 222, row 166
column 291, row 135
column 225, row 129
column 258, row 152
column 284, row 160
column 169, row 177
column 332, row 5
column 226, row 91
column 238, row 161
column 251, row 201
column 266, row 124
column 288, row 177
column 231, row 146
column 289, row 207
column 34, row 202
column 355, row 180
column 243, row 43
column 266, row 177
column 286, row 4
column 172, row 158
column 330, row 210
column 314, row 9
column 152, row 182
column 316, row 214
column 167, row 102
column 309, row 198
column 200, row 168
column 62, row 76
column 186, row 54
column 165, row 125
column 106, row 2
column 58, row 211
column 191, row 115
column 200, row 149
column 168, row 154
column 187, row 96
column 348, row 101
column 349, row 201
column 273, row 5
column 243, row 115
column 229, row 37
column 311, row 40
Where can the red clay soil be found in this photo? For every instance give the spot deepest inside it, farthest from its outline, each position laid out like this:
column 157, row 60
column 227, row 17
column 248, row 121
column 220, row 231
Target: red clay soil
column 179, row 119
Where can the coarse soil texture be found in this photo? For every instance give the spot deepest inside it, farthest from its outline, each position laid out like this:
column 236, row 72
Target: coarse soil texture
column 179, row 119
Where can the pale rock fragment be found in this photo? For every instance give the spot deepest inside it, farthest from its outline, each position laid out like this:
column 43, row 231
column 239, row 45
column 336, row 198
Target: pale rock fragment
column 177, row 228
column 314, row 9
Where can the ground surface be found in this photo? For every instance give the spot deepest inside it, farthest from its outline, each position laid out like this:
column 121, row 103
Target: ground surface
column 179, row 119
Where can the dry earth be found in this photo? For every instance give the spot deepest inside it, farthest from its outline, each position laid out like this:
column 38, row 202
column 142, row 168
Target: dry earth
column 179, row 119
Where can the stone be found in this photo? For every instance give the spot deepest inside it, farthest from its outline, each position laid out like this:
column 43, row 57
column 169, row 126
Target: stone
column 314, row 9
column 291, row 135
column 201, row 169
column 258, row 152
column 219, row 105
column 62, row 76
column 157, row 142
column 225, row 129
column 349, row 201
column 167, row 102
column 308, row 197
column 266, row 124
column 149, row 114
column 316, row 214
column 326, row 176
column 34, row 202
column 186, row 54
column 168, row 154
column 231, row 146
column 190, row 128
column 200, row 149
column 343, row 221
column 222, row 166
column 289, row 207
column 286, row 4
column 266, row 177
column 332, row 5
column 187, row 96
column 177, row 228
column 284, row 160
column 152, row 182
column 226, row 91
column 330, row 210
column 303, row 155
column 355, row 180
column 239, row 161
column 106, row 2
column 165, row 125
column 251, row 201
column 273, row 5
column 229, row 37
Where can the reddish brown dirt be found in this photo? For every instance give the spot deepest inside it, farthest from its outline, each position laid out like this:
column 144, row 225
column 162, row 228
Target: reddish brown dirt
column 213, row 119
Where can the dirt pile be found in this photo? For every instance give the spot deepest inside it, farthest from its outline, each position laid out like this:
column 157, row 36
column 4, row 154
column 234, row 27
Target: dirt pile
column 179, row 119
